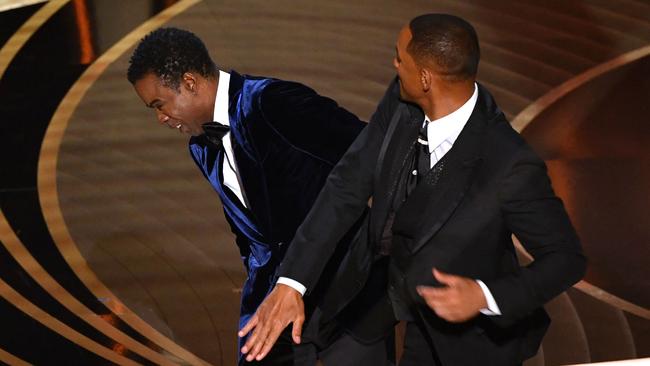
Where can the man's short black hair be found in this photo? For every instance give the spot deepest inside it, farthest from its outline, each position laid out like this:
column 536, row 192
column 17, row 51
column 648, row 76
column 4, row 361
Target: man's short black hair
column 446, row 42
column 168, row 53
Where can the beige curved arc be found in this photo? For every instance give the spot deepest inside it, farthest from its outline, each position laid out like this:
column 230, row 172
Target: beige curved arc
column 15, row 4
column 596, row 292
column 11, row 360
column 526, row 116
column 48, row 194
column 612, row 300
column 15, row 247
column 57, row 326
column 632, row 362
column 22, row 35
column 533, row 110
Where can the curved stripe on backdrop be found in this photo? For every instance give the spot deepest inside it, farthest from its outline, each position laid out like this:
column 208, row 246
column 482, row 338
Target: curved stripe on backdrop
column 11, row 360
column 40, row 275
column 525, row 117
column 14, row 4
column 27, row 261
column 17, row 41
column 596, row 292
column 49, row 321
column 533, row 110
column 636, row 362
column 48, row 194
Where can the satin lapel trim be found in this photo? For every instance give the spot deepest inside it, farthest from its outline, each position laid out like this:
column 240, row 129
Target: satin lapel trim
column 390, row 164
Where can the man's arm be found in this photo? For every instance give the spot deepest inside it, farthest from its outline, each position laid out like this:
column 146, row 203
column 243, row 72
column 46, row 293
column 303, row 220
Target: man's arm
column 341, row 201
column 338, row 206
column 538, row 218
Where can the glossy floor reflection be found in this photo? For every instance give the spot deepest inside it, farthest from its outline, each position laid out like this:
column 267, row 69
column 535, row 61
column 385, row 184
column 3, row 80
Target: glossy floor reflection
column 113, row 233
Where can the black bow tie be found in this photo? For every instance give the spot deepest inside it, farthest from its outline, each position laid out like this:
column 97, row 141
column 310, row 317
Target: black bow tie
column 214, row 132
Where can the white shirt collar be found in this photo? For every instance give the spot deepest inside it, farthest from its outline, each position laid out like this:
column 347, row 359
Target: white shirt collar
column 221, row 102
column 449, row 127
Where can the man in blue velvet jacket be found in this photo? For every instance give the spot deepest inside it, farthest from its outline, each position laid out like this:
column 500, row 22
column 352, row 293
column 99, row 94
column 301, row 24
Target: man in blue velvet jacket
column 265, row 145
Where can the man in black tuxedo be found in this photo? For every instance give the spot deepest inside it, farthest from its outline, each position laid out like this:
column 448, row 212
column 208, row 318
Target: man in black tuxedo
column 450, row 182
column 266, row 146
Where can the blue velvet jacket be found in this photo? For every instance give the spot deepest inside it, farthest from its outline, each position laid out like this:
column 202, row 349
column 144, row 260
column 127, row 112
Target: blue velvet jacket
column 286, row 138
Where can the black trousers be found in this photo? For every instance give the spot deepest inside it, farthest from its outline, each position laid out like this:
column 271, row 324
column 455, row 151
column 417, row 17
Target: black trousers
column 418, row 348
column 332, row 346
column 282, row 353
column 346, row 351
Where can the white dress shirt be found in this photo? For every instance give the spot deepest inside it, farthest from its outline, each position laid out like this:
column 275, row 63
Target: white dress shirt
column 229, row 168
column 441, row 135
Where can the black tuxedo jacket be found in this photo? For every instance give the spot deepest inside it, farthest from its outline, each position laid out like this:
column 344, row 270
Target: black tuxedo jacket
column 492, row 185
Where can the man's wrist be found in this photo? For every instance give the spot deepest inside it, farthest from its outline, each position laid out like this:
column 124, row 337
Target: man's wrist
column 293, row 284
column 492, row 308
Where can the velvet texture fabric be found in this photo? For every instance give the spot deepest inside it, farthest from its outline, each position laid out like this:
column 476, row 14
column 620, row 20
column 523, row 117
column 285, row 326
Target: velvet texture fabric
column 286, row 138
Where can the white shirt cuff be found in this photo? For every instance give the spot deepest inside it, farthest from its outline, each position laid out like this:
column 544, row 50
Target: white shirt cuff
column 294, row 285
column 492, row 307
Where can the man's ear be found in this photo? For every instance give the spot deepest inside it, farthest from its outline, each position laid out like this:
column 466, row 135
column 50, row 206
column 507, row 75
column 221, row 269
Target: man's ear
column 188, row 82
column 426, row 77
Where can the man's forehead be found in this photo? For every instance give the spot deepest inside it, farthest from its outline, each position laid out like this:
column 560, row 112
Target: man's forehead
column 404, row 35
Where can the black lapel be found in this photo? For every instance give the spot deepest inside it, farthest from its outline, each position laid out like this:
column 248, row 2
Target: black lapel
column 435, row 201
column 394, row 158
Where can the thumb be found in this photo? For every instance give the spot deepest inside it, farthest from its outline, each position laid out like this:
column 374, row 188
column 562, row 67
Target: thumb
column 296, row 330
column 444, row 278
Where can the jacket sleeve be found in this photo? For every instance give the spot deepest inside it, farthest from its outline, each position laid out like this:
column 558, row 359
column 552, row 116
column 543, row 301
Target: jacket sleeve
column 309, row 121
column 341, row 201
column 538, row 218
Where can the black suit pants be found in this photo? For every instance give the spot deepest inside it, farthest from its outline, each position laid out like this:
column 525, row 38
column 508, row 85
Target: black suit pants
column 419, row 349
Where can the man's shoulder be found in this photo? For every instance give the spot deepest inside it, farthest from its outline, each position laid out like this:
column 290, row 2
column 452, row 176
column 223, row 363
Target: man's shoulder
column 505, row 146
column 258, row 91
column 266, row 84
column 278, row 88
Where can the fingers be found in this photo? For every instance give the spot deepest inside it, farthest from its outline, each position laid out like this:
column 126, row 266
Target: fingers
column 445, row 278
column 456, row 301
column 296, row 331
column 252, row 322
column 437, row 300
column 271, row 338
column 434, row 297
column 431, row 292
column 282, row 307
column 260, row 338
column 252, row 341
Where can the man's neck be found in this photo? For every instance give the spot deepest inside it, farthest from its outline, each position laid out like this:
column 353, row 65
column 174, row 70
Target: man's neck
column 445, row 98
column 212, row 89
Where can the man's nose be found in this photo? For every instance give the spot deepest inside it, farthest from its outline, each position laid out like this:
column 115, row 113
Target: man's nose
column 162, row 118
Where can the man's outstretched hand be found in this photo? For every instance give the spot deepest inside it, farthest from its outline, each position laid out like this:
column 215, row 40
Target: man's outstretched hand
column 281, row 307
